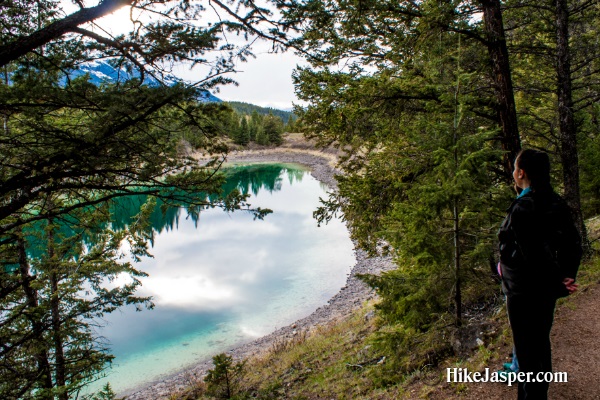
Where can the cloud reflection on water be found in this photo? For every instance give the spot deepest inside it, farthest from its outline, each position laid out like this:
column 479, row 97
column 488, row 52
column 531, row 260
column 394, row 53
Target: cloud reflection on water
column 230, row 279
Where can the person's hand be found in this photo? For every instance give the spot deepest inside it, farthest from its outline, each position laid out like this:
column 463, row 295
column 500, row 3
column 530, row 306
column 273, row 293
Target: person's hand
column 570, row 285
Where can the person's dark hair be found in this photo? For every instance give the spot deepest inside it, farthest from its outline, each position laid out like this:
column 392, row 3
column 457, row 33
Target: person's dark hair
column 536, row 165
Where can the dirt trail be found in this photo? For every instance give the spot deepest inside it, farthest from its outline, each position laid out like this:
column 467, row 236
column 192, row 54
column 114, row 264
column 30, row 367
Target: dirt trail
column 575, row 350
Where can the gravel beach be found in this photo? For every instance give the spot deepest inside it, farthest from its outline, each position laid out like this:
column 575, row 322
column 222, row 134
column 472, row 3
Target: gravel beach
column 349, row 298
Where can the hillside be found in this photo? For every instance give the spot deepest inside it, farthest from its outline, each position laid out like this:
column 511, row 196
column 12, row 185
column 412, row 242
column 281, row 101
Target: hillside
column 247, row 108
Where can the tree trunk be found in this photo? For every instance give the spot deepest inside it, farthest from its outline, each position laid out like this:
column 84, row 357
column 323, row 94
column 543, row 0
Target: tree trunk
column 5, row 116
column 568, row 130
column 457, row 292
column 41, row 357
column 59, row 355
column 498, row 52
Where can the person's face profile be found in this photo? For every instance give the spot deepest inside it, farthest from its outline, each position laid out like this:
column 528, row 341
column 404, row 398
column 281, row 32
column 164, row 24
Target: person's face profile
column 518, row 175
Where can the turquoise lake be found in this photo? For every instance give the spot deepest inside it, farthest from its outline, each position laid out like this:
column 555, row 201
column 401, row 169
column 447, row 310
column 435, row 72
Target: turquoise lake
column 225, row 278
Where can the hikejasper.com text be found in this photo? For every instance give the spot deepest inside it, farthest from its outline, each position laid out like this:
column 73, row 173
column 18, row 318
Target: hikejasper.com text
column 463, row 375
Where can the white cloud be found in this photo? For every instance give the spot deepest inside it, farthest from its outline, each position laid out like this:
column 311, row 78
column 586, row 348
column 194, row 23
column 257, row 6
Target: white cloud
column 187, row 292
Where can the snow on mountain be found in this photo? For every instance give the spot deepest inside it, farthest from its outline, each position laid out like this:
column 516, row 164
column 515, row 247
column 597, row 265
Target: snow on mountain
column 102, row 71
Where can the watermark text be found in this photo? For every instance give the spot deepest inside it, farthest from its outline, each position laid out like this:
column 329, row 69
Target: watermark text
column 463, row 375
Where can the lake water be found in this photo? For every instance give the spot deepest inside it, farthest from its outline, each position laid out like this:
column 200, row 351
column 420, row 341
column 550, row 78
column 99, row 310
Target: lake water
column 226, row 279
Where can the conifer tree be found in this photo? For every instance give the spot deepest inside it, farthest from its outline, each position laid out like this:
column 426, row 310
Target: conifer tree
column 224, row 379
column 273, row 129
column 255, row 126
column 261, row 137
column 425, row 113
column 557, row 83
column 415, row 112
column 243, row 134
column 290, row 126
column 68, row 147
column 65, row 269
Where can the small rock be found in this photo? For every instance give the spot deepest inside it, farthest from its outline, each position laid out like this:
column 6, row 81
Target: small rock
column 479, row 342
column 369, row 315
column 381, row 361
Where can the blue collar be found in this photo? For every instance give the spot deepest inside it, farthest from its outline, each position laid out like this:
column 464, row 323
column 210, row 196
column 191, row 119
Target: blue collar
column 524, row 192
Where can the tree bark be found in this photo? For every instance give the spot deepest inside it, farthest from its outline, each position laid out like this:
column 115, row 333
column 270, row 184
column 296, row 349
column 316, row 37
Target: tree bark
column 498, row 52
column 568, row 130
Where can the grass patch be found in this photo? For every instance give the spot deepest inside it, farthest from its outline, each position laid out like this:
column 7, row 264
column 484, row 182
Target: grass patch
column 332, row 360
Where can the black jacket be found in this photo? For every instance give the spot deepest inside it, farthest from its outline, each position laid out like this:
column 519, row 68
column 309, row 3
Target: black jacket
column 539, row 246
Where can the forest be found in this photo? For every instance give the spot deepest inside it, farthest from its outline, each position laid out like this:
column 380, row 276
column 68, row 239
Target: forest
column 428, row 101
column 435, row 102
column 261, row 125
column 262, row 129
column 248, row 109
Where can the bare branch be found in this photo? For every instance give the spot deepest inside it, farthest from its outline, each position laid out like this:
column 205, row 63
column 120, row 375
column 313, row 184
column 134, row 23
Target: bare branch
column 13, row 50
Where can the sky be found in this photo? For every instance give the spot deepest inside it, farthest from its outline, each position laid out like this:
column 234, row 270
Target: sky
column 264, row 81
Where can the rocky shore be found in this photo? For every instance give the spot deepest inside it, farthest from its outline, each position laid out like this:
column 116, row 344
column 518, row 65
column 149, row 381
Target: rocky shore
column 349, row 298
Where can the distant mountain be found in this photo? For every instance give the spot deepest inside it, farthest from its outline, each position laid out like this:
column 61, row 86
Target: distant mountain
column 101, row 71
column 247, row 108
column 208, row 97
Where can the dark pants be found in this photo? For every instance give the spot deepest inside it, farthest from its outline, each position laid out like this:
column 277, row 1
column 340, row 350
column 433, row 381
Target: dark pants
column 531, row 320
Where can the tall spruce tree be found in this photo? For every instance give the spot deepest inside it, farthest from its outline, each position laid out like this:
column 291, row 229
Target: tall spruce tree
column 405, row 89
column 273, row 129
column 421, row 165
column 68, row 147
column 51, row 348
column 243, row 132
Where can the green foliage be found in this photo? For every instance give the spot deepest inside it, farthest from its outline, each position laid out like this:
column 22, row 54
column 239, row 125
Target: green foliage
column 422, row 167
column 106, row 393
column 62, row 290
column 273, row 129
column 224, row 380
column 262, row 138
column 69, row 147
column 243, row 135
column 590, row 165
column 414, row 113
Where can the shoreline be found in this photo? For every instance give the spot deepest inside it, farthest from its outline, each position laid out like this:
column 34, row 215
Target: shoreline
column 350, row 297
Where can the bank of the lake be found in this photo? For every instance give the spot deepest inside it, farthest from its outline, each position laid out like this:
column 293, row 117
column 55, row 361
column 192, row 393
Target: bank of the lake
column 339, row 360
column 572, row 336
column 349, row 298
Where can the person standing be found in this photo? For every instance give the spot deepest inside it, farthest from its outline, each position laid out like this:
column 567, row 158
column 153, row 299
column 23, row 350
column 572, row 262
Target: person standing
column 540, row 252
